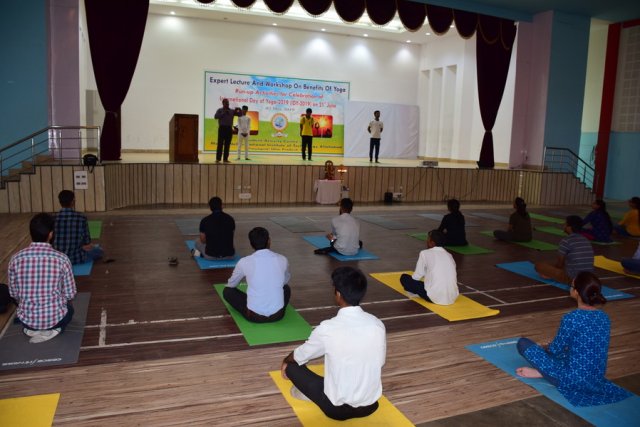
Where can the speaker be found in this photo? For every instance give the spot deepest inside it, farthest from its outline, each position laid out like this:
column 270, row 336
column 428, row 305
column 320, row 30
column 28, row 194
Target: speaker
column 388, row 198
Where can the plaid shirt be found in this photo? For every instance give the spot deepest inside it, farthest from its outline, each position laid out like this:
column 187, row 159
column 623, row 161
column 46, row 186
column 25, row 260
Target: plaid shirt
column 41, row 280
column 71, row 233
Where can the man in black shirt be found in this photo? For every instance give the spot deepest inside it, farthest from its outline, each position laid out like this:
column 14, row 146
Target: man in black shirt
column 216, row 233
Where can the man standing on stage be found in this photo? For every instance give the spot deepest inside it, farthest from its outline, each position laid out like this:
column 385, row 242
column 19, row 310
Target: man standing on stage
column 244, row 128
column 225, row 121
column 375, row 129
column 306, row 132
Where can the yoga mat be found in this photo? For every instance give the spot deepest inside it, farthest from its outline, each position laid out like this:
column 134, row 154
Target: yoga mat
column 546, row 218
column 549, row 229
column 463, row 250
column 533, row 244
column 504, row 355
column 31, row 411
column 611, row 265
column 17, row 352
column 292, row 327
column 95, row 229
column 296, row 224
column 491, row 216
column 322, row 242
column 527, row 269
column 188, row 226
column 206, row 264
column 389, row 224
column 311, row 416
column 463, row 309
column 83, row 269
column 438, row 217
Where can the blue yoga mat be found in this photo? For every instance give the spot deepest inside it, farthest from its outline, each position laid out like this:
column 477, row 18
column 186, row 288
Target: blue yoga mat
column 206, row 264
column 504, row 355
column 322, row 242
column 527, row 269
column 83, row 269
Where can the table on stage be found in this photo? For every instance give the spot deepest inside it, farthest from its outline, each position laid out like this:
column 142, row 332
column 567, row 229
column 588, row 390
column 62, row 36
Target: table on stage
column 328, row 191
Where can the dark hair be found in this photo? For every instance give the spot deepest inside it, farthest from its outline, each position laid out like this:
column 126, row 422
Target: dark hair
column 259, row 238
column 351, row 284
column 437, row 237
column 453, row 205
column 588, row 286
column 575, row 222
column 309, row 110
column 377, row 111
column 215, row 204
column 635, row 201
column 521, row 207
column 40, row 226
column 66, row 198
column 346, row 204
column 602, row 207
column 244, row 107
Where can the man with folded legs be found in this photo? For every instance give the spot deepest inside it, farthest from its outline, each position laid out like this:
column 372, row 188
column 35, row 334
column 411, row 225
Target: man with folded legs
column 345, row 232
column 216, row 234
column 72, row 232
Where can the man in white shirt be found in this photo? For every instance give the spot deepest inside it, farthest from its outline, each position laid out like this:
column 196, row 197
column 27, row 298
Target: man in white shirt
column 354, row 348
column 375, row 128
column 267, row 275
column 345, row 234
column 438, row 269
column 244, row 129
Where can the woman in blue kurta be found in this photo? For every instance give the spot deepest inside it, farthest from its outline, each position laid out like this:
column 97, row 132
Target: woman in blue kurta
column 600, row 221
column 576, row 360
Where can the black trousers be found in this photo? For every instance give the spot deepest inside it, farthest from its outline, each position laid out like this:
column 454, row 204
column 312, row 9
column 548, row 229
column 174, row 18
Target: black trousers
column 374, row 144
column 307, row 142
column 414, row 286
column 224, row 142
column 312, row 386
column 238, row 300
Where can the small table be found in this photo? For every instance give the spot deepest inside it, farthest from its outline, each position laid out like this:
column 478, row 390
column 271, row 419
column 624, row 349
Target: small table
column 328, row 191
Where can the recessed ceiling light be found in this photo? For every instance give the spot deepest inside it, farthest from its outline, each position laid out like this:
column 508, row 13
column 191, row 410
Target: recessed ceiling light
column 172, row 12
column 323, row 29
column 428, row 34
column 366, row 35
column 408, row 41
column 274, row 24
column 452, row 26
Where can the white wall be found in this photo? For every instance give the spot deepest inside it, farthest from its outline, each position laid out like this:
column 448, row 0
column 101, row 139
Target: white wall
column 595, row 76
column 176, row 52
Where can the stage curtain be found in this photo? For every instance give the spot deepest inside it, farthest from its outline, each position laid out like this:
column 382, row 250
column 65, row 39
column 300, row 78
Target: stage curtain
column 205, row 1
column 381, row 12
column 493, row 55
column 242, row 3
column 278, row 6
column 411, row 14
column 350, row 10
column 315, row 7
column 466, row 23
column 115, row 38
column 440, row 18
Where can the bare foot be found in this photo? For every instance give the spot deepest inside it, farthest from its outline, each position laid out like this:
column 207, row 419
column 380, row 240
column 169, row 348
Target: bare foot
column 527, row 372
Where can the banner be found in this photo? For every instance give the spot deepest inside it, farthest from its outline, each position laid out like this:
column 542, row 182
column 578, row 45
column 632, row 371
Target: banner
column 276, row 105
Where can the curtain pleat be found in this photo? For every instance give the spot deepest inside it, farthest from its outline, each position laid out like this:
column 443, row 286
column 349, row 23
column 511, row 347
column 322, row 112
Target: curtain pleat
column 411, row 14
column 350, row 10
column 440, row 18
column 115, row 39
column 381, row 12
column 278, row 6
column 205, row 1
column 243, row 3
column 315, row 7
column 466, row 23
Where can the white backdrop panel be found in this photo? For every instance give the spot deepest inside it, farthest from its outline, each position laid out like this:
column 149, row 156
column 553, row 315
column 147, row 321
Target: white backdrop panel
column 401, row 129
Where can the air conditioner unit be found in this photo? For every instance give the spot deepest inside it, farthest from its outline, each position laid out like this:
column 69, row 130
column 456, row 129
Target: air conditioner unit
column 429, row 164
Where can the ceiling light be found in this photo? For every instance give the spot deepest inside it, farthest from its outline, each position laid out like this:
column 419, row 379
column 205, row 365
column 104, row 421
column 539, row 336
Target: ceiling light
column 172, row 12
column 452, row 26
column 274, row 24
column 323, row 29
column 428, row 34
column 408, row 41
column 366, row 35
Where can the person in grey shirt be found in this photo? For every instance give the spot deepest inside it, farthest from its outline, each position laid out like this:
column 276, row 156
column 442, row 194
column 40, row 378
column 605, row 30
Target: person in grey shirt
column 345, row 234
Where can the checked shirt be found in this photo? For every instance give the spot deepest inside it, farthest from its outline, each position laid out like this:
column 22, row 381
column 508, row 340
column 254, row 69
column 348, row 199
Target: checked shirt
column 71, row 233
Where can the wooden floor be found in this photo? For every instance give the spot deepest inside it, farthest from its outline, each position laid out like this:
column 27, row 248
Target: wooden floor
column 160, row 349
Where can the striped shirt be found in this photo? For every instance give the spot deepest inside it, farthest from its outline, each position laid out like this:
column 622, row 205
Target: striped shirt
column 41, row 280
column 71, row 233
column 578, row 254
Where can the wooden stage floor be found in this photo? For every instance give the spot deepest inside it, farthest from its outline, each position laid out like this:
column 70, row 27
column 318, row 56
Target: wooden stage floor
column 160, row 348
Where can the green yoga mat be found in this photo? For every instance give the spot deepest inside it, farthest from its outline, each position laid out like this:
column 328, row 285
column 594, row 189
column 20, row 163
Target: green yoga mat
column 546, row 218
column 292, row 327
column 549, row 229
column 533, row 244
column 463, row 250
column 95, row 229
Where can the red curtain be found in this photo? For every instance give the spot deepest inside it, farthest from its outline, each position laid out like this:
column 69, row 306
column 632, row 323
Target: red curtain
column 116, row 29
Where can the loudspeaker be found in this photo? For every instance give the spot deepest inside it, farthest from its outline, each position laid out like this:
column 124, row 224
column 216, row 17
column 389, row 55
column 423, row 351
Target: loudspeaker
column 388, row 198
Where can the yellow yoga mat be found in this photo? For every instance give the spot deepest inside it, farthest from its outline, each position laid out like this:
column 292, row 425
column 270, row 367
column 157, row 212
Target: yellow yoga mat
column 463, row 309
column 311, row 416
column 32, row 411
column 611, row 265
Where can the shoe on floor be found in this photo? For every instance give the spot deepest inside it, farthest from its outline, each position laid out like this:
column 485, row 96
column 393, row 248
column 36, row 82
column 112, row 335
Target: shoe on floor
column 227, row 161
column 173, row 260
column 320, row 252
column 42, row 336
column 246, row 158
column 297, row 394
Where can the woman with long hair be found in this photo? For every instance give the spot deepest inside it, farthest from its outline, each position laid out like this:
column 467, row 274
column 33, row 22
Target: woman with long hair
column 576, row 360
column 452, row 225
column 519, row 224
column 630, row 223
column 600, row 221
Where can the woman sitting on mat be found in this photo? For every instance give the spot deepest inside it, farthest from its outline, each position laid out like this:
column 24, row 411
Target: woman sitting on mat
column 452, row 225
column 519, row 224
column 576, row 360
column 601, row 225
column 630, row 224
column 632, row 265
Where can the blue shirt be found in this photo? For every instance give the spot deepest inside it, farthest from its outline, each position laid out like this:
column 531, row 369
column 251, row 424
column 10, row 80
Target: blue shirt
column 600, row 225
column 577, row 359
column 70, row 234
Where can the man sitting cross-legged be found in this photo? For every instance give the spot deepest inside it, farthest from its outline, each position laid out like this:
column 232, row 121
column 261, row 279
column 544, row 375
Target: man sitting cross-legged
column 216, row 233
column 267, row 275
column 354, row 348
column 345, row 232
column 41, row 281
column 438, row 269
column 72, row 232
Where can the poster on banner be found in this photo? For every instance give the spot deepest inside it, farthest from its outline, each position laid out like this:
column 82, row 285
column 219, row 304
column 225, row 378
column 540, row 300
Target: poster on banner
column 276, row 105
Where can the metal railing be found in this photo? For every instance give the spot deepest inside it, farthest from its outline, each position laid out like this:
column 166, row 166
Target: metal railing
column 557, row 159
column 60, row 144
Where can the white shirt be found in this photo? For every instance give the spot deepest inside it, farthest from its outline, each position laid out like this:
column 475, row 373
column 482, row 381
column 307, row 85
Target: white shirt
column 438, row 268
column 375, row 128
column 266, row 272
column 346, row 230
column 244, row 124
column 354, row 348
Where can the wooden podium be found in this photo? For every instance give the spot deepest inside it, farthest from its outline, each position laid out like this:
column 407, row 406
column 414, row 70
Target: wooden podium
column 183, row 138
